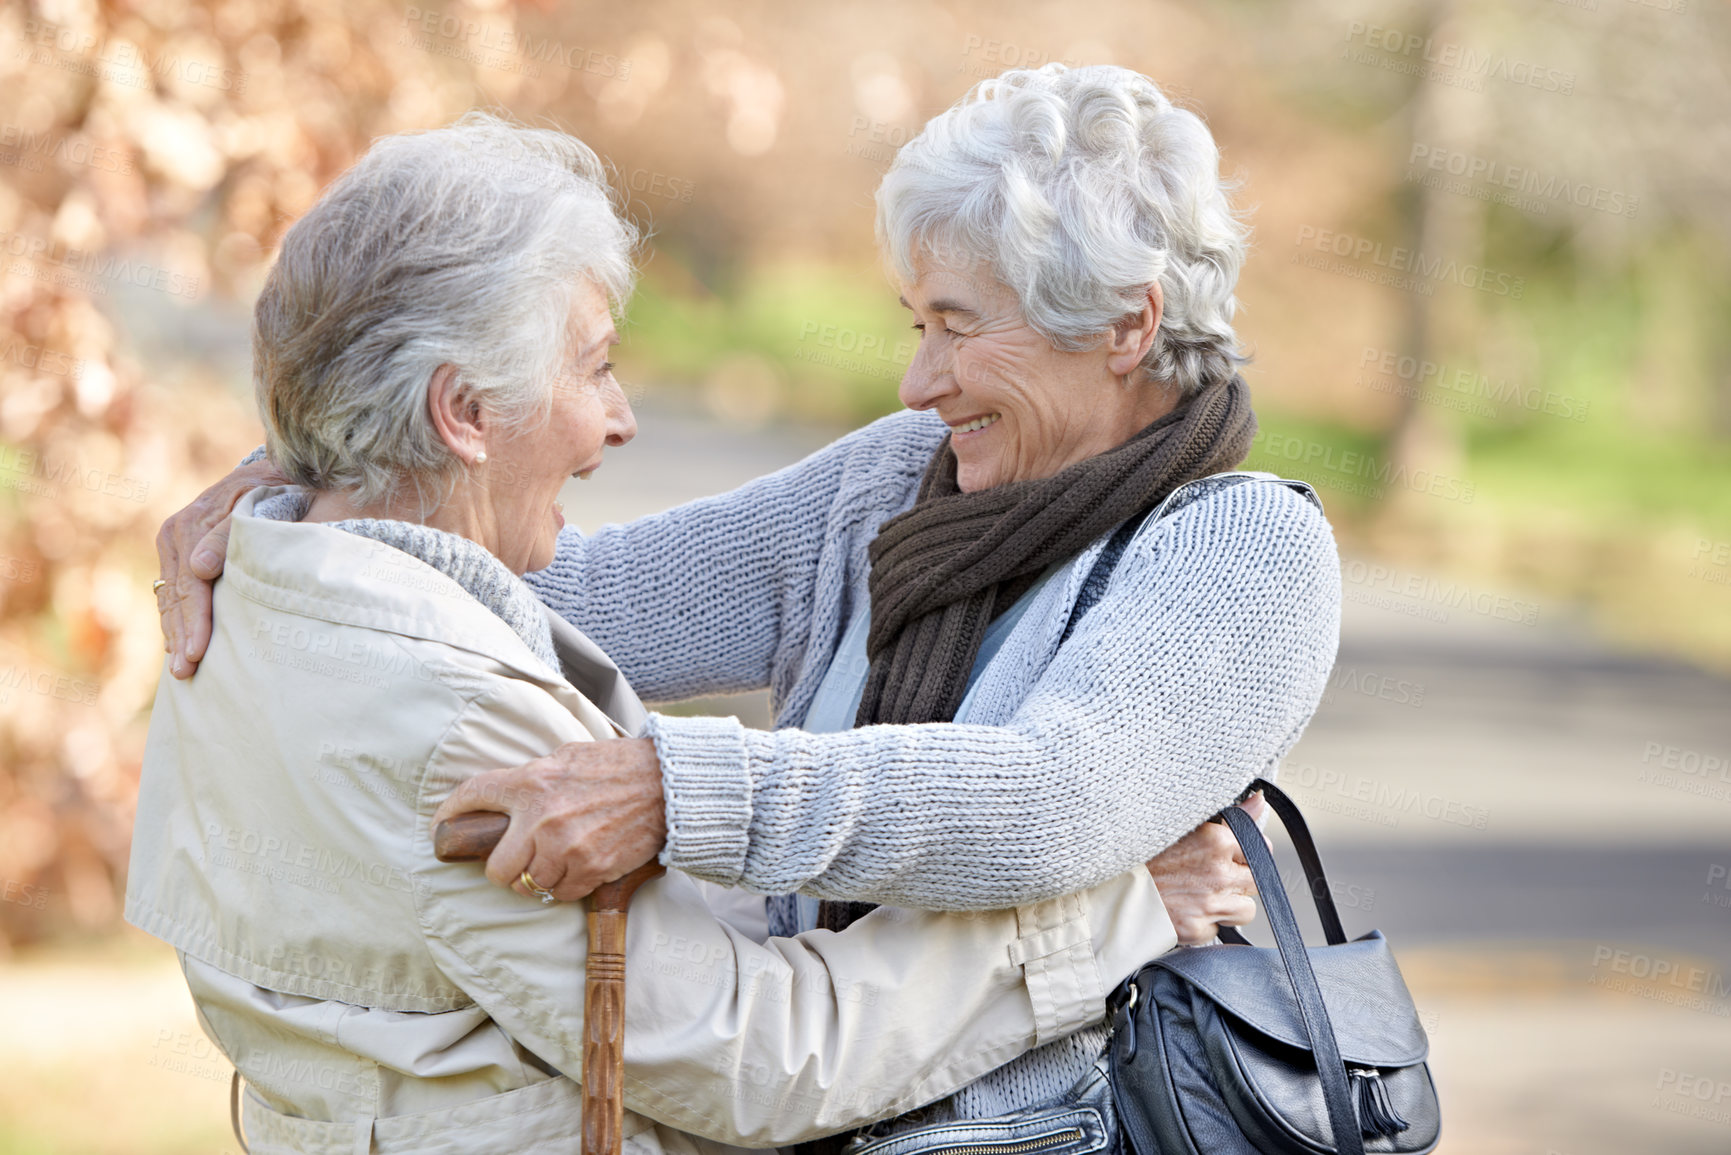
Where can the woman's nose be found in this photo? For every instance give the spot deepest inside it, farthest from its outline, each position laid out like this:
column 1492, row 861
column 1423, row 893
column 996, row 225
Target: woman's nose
column 621, row 422
column 927, row 379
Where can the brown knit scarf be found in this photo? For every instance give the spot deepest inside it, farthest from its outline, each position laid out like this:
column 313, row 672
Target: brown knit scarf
column 944, row 569
column 941, row 571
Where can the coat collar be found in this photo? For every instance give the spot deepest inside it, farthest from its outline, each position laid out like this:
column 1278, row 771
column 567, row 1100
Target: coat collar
column 319, row 572
column 588, row 667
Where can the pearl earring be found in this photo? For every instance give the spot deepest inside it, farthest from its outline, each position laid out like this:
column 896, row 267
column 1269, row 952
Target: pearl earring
column 481, row 457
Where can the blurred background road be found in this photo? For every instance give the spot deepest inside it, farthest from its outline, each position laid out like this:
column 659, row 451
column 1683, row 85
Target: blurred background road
column 1522, row 770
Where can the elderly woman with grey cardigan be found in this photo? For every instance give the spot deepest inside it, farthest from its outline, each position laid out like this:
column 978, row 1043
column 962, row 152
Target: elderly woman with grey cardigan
column 1018, row 638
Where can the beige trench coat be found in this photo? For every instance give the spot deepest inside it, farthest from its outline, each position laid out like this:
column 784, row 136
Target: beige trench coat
column 375, row 999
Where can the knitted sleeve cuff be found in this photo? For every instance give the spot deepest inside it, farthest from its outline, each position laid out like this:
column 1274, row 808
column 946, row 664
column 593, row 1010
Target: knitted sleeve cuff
column 707, row 788
column 255, row 455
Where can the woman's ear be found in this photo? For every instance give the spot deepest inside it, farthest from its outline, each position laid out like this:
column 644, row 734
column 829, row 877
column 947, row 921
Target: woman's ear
column 1134, row 335
column 456, row 415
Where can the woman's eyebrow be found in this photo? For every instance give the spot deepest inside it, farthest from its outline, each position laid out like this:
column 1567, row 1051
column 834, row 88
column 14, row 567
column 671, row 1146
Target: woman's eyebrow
column 944, row 305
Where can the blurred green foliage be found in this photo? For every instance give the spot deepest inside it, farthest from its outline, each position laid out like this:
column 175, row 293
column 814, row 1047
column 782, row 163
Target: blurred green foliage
column 828, row 344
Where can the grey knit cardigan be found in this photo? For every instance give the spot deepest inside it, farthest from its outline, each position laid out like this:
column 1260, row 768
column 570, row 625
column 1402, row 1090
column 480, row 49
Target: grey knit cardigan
column 1197, row 668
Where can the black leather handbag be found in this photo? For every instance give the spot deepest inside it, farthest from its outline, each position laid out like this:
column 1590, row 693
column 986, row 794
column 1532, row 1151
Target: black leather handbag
column 1229, row 1049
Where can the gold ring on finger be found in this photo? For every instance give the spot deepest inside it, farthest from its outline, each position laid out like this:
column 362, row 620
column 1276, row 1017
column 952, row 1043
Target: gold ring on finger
column 536, row 888
column 156, row 586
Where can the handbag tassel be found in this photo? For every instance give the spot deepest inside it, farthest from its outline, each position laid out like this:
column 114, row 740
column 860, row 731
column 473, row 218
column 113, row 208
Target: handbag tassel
column 1376, row 1113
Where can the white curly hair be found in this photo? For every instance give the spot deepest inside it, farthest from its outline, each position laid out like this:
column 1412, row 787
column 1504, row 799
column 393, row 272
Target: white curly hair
column 1079, row 188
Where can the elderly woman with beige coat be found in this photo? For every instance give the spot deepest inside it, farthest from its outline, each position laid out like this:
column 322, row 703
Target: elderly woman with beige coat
column 431, row 366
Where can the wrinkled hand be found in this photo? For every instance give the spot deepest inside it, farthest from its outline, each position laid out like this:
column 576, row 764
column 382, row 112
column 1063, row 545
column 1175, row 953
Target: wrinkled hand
column 191, row 547
column 1204, row 880
column 584, row 815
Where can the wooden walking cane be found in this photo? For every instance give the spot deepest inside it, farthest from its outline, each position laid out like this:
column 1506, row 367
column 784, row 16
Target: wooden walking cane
column 472, row 836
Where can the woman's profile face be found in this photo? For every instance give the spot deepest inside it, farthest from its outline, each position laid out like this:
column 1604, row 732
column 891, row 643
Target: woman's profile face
column 528, row 467
column 1018, row 407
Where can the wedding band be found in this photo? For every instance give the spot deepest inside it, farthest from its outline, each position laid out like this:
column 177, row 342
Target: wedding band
column 536, row 888
column 156, row 586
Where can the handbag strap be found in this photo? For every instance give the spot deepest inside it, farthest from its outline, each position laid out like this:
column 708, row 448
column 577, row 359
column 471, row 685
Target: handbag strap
column 1342, row 1117
column 1320, row 892
column 1299, row 831
column 1094, row 585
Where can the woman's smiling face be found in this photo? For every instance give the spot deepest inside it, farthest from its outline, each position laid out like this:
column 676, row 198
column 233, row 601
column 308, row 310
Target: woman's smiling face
column 526, row 468
column 1018, row 407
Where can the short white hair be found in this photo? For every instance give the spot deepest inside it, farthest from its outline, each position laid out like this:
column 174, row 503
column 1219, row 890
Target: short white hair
column 1080, row 188
column 465, row 246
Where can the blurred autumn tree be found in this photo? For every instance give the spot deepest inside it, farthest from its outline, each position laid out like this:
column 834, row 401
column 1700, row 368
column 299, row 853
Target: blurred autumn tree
column 152, row 154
